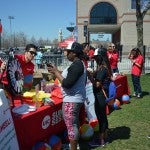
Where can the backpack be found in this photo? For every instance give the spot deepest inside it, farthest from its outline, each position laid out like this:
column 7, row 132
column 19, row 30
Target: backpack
column 111, row 94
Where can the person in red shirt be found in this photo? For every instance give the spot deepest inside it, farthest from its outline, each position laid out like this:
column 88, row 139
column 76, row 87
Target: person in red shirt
column 91, row 55
column 113, row 57
column 86, row 49
column 136, row 70
column 91, row 52
column 26, row 64
column 3, row 79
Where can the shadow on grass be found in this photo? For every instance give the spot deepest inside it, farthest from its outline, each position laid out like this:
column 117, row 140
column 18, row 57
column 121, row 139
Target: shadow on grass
column 145, row 93
column 122, row 132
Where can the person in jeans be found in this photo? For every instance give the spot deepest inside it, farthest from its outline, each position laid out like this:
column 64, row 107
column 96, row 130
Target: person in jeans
column 73, row 81
column 136, row 71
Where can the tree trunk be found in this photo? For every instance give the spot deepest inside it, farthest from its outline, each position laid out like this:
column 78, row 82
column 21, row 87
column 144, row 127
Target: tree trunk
column 139, row 25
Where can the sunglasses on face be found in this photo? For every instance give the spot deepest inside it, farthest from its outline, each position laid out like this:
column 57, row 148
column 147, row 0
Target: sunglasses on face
column 112, row 46
column 33, row 53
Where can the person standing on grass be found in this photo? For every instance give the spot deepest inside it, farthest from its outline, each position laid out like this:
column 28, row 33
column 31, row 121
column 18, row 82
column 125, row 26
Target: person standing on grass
column 113, row 57
column 136, row 71
column 73, row 80
column 89, row 102
column 102, row 78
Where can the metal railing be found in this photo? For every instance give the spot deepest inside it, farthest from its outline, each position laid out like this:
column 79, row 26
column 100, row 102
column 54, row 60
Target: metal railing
column 62, row 62
column 124, row 65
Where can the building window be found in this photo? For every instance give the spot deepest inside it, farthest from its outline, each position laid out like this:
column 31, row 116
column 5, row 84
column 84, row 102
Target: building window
column 143, row 4
column 103, row 13
column 133, row 4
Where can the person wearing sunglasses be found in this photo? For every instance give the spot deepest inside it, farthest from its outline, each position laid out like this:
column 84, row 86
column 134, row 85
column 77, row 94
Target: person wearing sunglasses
column 113, row 57
column 26, row 64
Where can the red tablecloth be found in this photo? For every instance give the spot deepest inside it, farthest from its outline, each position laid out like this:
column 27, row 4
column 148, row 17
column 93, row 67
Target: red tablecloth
column 47, row 120
column 122, row 86
column 35, row 126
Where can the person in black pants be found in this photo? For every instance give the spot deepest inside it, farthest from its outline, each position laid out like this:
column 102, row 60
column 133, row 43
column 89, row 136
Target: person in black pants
column 102, row 78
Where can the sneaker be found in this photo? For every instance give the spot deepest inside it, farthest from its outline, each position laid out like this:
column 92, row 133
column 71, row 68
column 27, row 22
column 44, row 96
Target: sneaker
column 139, row 96
column 148, row 136
column 95, row 143
column 67, row 147
column 78, row 147
column 134, row 95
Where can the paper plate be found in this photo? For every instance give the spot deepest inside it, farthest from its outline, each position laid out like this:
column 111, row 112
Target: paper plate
column 22, row 109
column 31, row 108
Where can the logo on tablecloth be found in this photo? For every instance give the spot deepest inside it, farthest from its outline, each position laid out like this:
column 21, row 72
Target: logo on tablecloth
column 53, row 120
column 46, row 122
column 56, row 117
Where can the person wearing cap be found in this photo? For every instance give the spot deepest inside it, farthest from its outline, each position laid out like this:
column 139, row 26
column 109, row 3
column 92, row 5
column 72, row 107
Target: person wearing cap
column 26, row 64
column 113, row 57
column 73, row 80
column 89, row 102
column 102, row 78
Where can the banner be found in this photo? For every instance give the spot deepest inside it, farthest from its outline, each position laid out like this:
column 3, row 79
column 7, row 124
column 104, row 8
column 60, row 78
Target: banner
column 89, row 102
column 8, row 138
column 0, row 26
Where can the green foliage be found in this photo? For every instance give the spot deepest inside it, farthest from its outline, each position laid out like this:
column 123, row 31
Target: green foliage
column 130, row 125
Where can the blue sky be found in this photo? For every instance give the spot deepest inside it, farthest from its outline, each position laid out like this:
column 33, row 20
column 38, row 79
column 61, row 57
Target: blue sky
column 38, row 18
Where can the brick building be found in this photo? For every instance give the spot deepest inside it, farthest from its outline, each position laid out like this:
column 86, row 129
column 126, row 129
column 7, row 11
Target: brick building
column 116, row 17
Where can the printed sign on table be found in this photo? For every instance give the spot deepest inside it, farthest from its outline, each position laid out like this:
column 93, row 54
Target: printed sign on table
column 8, row 138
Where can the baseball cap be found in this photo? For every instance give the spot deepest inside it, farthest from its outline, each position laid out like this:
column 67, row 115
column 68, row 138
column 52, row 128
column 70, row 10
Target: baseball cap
column 100, row 51
column 76, row 48
column 96, row 52
column 69, row 46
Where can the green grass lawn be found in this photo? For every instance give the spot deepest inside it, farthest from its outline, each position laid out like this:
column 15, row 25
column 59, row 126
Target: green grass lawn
column 130, row 125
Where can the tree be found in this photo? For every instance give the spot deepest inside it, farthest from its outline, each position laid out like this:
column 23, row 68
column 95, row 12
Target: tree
column 20, row 39
column 33, row 40
column 140, row 13
column 142, row 6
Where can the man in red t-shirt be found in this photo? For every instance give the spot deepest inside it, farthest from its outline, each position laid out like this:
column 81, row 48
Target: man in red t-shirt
column 26, row 65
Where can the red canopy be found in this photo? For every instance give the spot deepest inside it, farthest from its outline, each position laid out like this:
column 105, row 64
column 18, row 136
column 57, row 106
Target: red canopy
column 0, row 27
column 66, row 42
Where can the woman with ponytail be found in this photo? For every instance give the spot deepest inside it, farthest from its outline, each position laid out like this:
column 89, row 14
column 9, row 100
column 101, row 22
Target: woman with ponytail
column 102, row 78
